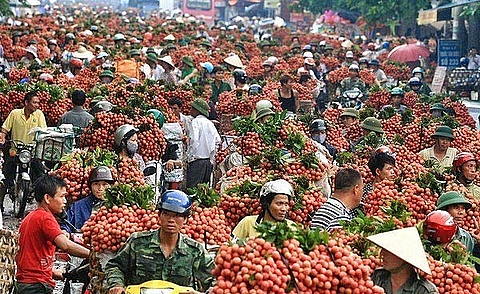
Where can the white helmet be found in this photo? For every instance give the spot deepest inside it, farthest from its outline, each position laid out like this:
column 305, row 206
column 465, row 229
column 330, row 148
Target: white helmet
column 307, row 54
column 263, row 104
column 273, row 59
column 275, row 187
column 124, row 132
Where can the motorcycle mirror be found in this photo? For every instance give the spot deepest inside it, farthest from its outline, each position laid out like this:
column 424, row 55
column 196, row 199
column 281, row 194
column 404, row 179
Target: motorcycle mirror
column 150, row 170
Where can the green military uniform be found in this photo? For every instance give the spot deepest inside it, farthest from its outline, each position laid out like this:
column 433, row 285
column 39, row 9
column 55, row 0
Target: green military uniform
column 216, row 91
column 415, row 284
column 142, row 259
column 474, row 189
column 350, row 83
column 466, row 239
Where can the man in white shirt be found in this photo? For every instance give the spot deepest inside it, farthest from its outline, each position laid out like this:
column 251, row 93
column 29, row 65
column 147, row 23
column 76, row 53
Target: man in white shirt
column 473, row 59
column 203, row 144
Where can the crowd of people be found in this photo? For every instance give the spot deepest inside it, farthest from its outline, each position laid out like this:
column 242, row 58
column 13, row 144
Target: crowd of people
column 166, row 254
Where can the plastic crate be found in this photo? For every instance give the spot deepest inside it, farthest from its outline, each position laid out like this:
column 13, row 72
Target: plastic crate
column 53, row 145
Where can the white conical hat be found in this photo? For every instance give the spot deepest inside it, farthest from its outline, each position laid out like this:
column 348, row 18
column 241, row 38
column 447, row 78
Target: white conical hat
column 405, row 244
column 167, row 59
column 234, row 60
column 170, row 37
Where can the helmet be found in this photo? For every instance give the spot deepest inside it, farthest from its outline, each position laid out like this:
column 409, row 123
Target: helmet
column 307, row 48
column 307, row 54
column 414, row 81
column 102, row 105
column 397, row 91
column 240, row 75
column 464, row 61
column 123, row 133
column 272, row 188
column 119, row 37
column 419, row 70
column 462, row 158
column 255, row 89
column 317, row 125
column 363, row 60
column 372, row 124
column 309, row 61
column 273, row 59
column 451, row 198
column 70, row 36
column 207, row 65
column 263, row 104
column 158, row 116
column 101, row 173
column 175, row 201
column 444, row 131
column 439, row 227
column 385, row 45
column 374, row 62
column 353, row 67
column 437, row 106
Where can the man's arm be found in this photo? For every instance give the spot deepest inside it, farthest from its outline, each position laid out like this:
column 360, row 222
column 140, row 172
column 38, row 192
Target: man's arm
column 117, row 267
column 70, row 247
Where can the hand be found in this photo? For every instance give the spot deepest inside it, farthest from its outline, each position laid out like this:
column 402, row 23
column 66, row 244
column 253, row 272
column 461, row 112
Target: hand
column 116, row 290
column 2, row 138
column 170, row 165
column 58, row 274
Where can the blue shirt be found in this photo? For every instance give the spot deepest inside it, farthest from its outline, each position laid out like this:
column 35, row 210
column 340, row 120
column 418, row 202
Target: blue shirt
column 80, row 212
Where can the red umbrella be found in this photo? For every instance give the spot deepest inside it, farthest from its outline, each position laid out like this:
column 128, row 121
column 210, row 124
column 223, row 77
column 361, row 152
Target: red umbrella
column 408, row 53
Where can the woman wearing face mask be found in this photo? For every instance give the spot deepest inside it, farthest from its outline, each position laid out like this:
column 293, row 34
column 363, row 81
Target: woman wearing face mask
column 318, row 133
column 126, row 144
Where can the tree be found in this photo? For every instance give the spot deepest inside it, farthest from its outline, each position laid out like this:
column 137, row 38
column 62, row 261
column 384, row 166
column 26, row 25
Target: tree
column 5, row 8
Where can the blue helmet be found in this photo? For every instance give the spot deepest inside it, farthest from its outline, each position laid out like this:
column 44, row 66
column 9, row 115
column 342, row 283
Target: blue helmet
column 385, row 45
column 208, row 66
column 175, row 201
column 464, row 61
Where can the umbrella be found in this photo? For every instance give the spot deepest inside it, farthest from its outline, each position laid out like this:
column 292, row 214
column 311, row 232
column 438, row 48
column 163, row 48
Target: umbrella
column 408, row 53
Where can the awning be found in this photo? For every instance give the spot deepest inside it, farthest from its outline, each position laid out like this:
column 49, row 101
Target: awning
column 440, row 13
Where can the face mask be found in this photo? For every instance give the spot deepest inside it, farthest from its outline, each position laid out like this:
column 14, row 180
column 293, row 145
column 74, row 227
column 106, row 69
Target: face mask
column 320, row 138
column 131, row 148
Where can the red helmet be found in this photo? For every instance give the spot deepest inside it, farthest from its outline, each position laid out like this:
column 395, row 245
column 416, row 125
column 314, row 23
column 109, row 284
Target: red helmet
column 439, row 227
column 462, row 158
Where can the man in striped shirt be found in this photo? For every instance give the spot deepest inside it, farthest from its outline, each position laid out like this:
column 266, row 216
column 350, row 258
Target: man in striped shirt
column 347, row 196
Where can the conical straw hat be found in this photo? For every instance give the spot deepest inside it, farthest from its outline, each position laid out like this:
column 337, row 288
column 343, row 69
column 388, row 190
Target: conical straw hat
column 405, row 244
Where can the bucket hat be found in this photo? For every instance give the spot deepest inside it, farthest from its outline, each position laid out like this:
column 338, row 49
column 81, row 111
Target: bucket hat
column 437, row 106
column 452, row 197
column 372, row 124
column 444, row 131
column 263, row 112
column 134, row 52
column 152, row 57
column 188, row 61
column 107, row 73
column 350, row 112
column 201, row 105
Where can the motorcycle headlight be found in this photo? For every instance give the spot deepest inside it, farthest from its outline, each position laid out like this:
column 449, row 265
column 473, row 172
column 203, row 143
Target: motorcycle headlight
column 25, row 156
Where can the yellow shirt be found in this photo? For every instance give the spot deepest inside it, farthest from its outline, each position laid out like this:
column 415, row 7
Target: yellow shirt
column 19, row 125
column 246, row 227
column 446, row 161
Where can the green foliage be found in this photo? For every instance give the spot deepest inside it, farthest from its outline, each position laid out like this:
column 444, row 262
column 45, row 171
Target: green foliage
column 278, row 233
column 204, row 195
column 429, row 180
column 454, row 253
column 277, row 157
column 295, row 142
column 99, row 157
column 309, row 160
column 366, row 112
column 121, row 194
column 387, row 113
column 407, row 116
column 398, row 139
column 345, row 157
column 246, row 188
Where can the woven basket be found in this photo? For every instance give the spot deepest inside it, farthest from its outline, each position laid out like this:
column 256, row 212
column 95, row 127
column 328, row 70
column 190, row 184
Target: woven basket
column 8, row 254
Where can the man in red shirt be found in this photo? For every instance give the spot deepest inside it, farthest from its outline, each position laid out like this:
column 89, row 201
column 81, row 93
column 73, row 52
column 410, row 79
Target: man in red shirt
column 40, row 234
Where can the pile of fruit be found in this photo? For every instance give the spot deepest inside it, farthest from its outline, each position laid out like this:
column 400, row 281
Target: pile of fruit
column 127, row 210
column 282, row 260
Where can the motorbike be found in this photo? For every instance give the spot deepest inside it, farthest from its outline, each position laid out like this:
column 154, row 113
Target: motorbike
column 158, row 287
column 19, row 190
column 350, row 99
